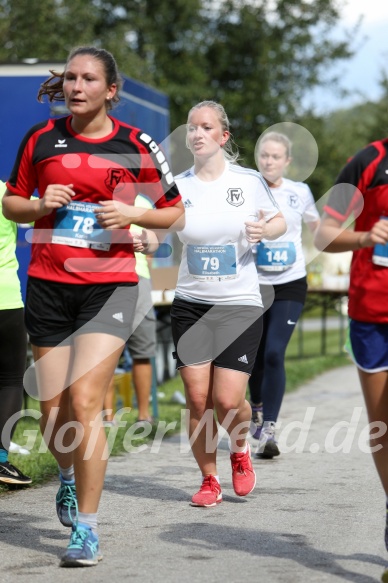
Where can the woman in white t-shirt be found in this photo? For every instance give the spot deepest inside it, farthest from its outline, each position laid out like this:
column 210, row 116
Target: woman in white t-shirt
column 282, row 275
column 216, row 312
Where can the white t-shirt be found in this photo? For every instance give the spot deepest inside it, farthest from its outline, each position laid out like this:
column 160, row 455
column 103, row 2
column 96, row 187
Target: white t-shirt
column 282, row 260
column 218, row 265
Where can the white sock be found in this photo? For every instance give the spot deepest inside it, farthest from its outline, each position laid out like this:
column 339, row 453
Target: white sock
column 67, row 473
column 88, row 520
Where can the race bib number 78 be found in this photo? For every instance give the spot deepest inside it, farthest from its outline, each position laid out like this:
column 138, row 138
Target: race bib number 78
column 76, row 225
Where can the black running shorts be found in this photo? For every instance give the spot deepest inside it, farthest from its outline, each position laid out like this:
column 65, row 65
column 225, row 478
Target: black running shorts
column 55, row 311
column 227, row 336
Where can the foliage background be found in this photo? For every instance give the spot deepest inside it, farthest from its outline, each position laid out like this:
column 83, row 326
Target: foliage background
column 258, row 58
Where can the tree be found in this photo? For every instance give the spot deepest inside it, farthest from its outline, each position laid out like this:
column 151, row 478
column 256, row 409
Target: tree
column 57, row 26
column 266, row 60
column 257, row 58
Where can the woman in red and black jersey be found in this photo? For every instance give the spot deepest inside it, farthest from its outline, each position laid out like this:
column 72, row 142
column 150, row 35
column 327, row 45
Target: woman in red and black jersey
column 361, row 191
column 87, row 169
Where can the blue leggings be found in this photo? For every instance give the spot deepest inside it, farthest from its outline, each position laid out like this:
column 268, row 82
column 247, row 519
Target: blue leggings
column 267, row 383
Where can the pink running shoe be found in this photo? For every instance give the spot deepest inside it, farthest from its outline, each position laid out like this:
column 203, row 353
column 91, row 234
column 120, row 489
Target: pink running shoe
column 209, row 493
column 243, row 474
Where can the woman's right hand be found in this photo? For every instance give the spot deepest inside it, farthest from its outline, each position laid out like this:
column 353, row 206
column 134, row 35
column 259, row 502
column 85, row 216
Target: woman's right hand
column 377, row 235
column 56, row 196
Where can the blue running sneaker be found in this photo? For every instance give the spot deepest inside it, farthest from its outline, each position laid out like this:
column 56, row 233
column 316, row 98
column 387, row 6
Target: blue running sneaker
column 83, row 548
column 66, row 502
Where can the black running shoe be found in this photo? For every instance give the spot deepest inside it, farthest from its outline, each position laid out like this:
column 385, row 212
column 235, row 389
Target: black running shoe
column 11, row 475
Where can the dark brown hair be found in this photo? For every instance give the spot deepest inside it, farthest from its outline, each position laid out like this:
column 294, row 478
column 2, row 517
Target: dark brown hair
column 53, row 86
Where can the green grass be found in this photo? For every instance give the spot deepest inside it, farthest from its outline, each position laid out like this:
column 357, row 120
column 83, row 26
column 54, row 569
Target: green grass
column 305, row 361
column 41, row 466
column 311, row 344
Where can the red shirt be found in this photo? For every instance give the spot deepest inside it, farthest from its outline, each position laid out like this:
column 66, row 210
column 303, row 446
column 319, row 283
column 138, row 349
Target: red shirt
column 119, row 166
column 362, row 188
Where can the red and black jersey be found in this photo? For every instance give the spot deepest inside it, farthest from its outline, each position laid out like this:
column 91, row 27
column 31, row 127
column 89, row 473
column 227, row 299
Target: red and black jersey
column 119, row 166
column 362, row 188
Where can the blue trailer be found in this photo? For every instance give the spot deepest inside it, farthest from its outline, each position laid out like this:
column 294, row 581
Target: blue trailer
column 140, row 105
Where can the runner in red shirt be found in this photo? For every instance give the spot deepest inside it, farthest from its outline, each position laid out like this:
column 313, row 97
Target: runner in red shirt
column 82, row 287
column 361, row 190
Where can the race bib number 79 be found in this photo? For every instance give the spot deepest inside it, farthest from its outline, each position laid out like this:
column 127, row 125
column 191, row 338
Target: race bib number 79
column 212, row 262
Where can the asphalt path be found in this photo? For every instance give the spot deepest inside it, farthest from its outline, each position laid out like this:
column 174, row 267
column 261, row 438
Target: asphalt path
column 316, row 515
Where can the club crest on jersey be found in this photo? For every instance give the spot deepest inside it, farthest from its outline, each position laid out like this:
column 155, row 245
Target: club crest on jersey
column 293, row 201
column 235, row 196
column 114, row 177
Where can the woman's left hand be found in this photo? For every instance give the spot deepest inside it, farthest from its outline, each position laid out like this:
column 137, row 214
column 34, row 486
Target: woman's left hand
column 255, row 230
column 115, row 215
column 140, row 242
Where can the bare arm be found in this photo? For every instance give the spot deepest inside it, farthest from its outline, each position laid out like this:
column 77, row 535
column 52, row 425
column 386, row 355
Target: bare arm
column 23, row 210
column 146, row 242
column 117, row 215
column 334, row 238
column 262, row 229
column 313, row 226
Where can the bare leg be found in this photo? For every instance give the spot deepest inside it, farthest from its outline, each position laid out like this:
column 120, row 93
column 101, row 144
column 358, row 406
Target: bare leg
column 375, row 389
column 51, row 371
column 197, row 381
column 142, row 383
column 87, row 400
column 233, row 410
column 109, row 401
column 91, row 363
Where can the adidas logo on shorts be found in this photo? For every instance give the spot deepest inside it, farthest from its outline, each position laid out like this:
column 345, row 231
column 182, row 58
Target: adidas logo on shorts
column 243, row 359
column 119, row 316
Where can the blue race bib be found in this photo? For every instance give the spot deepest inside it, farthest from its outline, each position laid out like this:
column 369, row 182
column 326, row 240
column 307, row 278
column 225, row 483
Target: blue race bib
column 380, row 255
column 380, row 252
column 275, row 256
column 76, row 225
column 212, row 262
